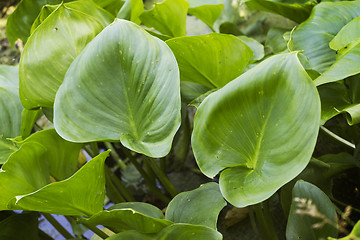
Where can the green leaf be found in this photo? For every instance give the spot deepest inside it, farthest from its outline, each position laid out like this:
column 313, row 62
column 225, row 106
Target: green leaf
column 27, row 222
column 312, row 214
column 131, row 10
column 211, row 60
column 190, row 91
column 138, row 216
column 168, row 17
column 182, row 231
column 28, row 118
column 112, row 6
column 10, row 114
column 132, row 235
column 347, row 64
column 19, row 23
column 206, row 10
column 297, row 11
column 193, row 206
column 354, row 235
column 81, row 194
column 275, row 40
column 65, row 32
column 136, row 103
column 255, row 46
column 238, row 128
column 337, row 163
column 314, row 35
column 346, row 35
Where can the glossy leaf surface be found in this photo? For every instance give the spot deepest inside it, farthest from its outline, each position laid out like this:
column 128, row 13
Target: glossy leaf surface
column 81, row 194
column 11, row 108
column 27, row 222
column 117, row 90
column 320, row 28
column 168, row 17
column 297, row 11
column 65, row 32
column 205, row 10
column 193, row 206
column 312, row 214
column 211, row 60
column 238, row 128
column 138, row 216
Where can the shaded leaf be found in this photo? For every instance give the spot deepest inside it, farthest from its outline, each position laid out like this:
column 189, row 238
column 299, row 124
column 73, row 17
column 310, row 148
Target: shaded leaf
column 193, row 206
column 104, row 92
column 312, row 214
column 256, row 47
column 211, row 60
column 275, row 40
column 190, row 91
column 354, row 235
column 238, row 128
column 65, row 32
column 28, row 118
column 182, row 231
column 205, row 10
column 320, row 28
column 27, row 222
column 168, row 17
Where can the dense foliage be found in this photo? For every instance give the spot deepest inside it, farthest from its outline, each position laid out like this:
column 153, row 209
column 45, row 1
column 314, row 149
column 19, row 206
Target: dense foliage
column 100, row 112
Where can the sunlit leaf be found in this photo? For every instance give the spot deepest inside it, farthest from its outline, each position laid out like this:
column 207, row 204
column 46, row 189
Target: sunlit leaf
column 238, row 128
column 117, row 90
column 205, row 10
column 168, row 17
column 65, row 32
column 131, row 10
column 312, row 214
column 347, row 34
column 193, row 206
column 211, row 60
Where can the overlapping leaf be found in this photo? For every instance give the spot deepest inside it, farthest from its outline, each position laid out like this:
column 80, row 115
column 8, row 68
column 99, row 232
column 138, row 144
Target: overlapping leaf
column 10, row 114
column 168, row 17
column 131, row 10
column 65, row 32
column 205, row 10
column 312, row 214
column 239, row 128
column 314, row 35
column 211, row 60
column 123, row 86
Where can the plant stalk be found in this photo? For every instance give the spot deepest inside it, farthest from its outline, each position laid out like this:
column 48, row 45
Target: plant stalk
column 264, row 219
column 95, row 230
column 112, row 192
column 115, row 155
column 337, row 138
column 57, row 226
column 118, row 184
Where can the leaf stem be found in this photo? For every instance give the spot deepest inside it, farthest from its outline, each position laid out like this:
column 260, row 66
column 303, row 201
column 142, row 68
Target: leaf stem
column 115, row 155
column 95, row 148
column 338, row 138
column 112, row 192
column 118, row 184
column 95, row 230
column 164, row 180
column 57, row 226
column 264, row 219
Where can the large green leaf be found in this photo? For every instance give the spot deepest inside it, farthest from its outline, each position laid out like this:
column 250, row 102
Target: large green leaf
column 11, row 108
column 260, row 127
column 168, row 17
column 27, row 222
column 206, row 10
column 314, row 35
column 193, row 206
column 297, row 11
column 81, row 194
column 312, row 214
column 123, row 86
column 65, row 32
column 211, row 60
column 138, row 216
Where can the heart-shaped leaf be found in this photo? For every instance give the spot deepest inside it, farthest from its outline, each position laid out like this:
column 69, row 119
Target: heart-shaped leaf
column 65, row 32
column 314, row 35
column 206, row 10
column 211, row 60
column 168, row 17
column 11, row 108
column 260, row 127
column 312, row 214
column 138, row 216
column 117, row 90
column 193, row 206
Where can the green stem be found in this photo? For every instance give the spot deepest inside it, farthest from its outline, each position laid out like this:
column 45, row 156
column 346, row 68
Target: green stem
column 162, row 177
column 57, row 226
column 344, row 204
column 118, row 184
column 115, row 155
column 95, row 148
column 264, row 219
column 253, row 221
column 95, row 230
column 337, row 138
column 185, row 140
column 112, row 191
column 146, row 177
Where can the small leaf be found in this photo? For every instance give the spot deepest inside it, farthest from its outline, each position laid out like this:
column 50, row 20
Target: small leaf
column 211, row 60
column 182, row 231
column 193, row 206
column 346, row 35
column 255, row 46
column 131, row 10
column 168, row 17
column 138, row 216
column 28, row 118
column 116, row 90
column 238, row 128
column 312, row 214
column 205, row 10
column 275, row 40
